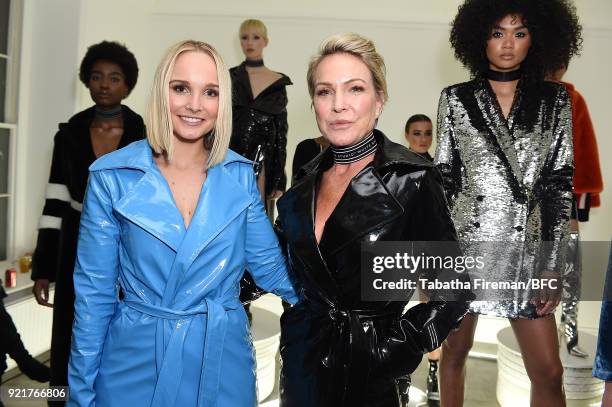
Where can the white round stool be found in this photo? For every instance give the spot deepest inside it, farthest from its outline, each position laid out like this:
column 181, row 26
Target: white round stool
column 266, row 336
column 513, row 385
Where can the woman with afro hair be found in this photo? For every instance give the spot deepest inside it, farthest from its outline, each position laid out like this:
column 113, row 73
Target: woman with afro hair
column 109, row 70
column 506, row 156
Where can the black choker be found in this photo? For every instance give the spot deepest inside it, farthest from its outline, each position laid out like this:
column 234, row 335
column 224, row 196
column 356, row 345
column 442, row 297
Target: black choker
column 253, row 63
column 108, row 114
column 498, row 76
column 354, row 153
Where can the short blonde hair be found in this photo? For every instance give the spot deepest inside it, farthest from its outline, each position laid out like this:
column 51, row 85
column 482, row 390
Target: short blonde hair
column 157, row 117
column 353, row 44
column 256, row 25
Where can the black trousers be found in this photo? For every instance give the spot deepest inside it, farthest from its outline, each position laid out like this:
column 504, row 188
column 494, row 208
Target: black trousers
column 8, row 337
column 61, row 334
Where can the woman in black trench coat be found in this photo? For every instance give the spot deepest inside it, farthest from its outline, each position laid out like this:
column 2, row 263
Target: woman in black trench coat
column 338, row 350
column 110, row 71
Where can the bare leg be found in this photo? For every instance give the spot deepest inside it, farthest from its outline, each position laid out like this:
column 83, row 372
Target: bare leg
column 452, row 363
column 539, row 346
column 607, row 396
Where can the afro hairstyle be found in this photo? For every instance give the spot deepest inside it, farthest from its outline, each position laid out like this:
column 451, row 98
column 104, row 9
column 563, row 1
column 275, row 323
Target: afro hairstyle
column 556, row 34
column 115, row 53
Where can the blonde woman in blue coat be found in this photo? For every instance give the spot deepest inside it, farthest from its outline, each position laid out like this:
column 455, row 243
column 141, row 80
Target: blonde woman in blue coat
column 173, row 221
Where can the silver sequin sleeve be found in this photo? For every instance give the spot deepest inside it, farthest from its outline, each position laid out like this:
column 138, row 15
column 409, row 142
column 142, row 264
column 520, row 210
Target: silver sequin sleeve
column 446, row 154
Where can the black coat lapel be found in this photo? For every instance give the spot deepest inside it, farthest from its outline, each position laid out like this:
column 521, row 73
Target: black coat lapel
column 297, row 221
column 366, row 205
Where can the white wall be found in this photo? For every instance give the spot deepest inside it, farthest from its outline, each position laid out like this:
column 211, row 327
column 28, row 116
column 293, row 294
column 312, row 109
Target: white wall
column 412, row 36
column 46, row 97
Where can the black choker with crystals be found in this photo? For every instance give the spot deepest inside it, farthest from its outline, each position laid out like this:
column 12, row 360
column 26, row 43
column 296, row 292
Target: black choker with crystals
column 113, row 113
column 354, row 153
column 498, row 76
column 253, row 63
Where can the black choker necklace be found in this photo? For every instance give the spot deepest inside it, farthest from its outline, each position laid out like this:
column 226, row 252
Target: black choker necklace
column 503, row 76
column 253, row 63
column 354, row 153
column 108, row 114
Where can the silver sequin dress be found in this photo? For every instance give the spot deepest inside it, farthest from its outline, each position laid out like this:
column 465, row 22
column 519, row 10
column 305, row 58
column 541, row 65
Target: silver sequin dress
column 508, row 182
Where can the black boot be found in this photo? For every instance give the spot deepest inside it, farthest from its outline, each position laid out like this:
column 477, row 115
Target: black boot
column 13, row 346
column 568, row 328
column 433, row 394
column 403, row 388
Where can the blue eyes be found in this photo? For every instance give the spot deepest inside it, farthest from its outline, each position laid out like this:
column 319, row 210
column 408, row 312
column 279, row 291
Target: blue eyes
column 185, row 90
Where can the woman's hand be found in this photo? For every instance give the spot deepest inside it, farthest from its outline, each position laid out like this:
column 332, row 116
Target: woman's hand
column 549, row 295
column 275, row 194
column 41, row 292
column 421, row 329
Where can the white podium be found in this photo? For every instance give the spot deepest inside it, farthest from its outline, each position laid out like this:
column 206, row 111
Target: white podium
column 266, row 336
column 513, row 386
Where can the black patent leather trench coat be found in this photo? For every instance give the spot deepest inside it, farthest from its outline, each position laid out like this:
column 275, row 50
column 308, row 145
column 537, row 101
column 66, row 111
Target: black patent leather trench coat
column 327, row 338
column 261, row 121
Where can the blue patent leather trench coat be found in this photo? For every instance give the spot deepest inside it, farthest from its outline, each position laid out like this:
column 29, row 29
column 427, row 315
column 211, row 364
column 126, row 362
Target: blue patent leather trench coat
column 180, row 336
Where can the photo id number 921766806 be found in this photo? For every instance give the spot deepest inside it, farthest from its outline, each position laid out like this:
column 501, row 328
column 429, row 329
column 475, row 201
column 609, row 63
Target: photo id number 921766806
column 15, row 393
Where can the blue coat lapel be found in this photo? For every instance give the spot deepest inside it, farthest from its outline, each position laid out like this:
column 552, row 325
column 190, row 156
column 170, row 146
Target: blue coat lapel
column 221, row 200
column 148, row 203
column 150, row 206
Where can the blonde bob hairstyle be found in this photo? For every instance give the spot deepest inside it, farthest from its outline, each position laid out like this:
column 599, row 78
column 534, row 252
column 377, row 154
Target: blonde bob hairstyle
column 353, row 44
column 256, row 25
column 157, row 117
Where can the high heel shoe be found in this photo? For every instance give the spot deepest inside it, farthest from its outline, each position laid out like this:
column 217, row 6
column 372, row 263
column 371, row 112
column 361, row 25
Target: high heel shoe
column 403, row 388
column 433, row 393
column 568, row 329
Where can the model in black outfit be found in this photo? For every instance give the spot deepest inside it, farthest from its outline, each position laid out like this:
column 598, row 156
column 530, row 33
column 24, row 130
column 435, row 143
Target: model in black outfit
column 110, row 72
column 259, row 101
column 259, row 111
column 261, row 121
column 419, row 134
